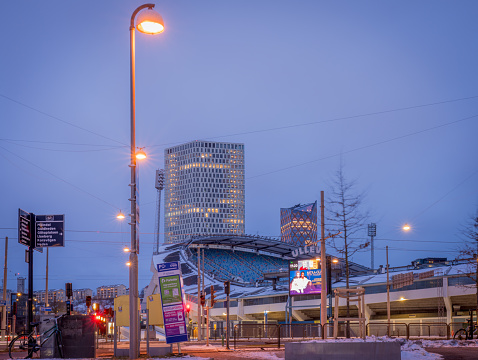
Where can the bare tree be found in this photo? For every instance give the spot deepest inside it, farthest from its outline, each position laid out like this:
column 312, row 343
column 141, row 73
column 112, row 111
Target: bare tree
column 346, row 217
column 469, row 250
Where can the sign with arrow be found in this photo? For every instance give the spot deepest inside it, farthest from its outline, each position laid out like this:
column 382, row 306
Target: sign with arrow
column 50, row 230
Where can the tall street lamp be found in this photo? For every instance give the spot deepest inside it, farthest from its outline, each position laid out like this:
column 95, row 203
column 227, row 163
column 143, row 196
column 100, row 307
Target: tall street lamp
column 148, row 22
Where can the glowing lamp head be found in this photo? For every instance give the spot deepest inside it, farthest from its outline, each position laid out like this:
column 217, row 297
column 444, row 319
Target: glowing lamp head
column 335, row 261
column 140, row 154
column 406, row 227
column 126, row 249
column 149, row 22
column 128, row 263
column 120, row 215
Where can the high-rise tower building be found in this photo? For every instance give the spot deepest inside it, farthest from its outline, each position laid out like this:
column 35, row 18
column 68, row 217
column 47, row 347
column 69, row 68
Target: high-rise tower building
column 204, row 190
column 298, row 224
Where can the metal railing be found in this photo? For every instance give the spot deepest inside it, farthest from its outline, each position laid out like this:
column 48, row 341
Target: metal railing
column 266, row 335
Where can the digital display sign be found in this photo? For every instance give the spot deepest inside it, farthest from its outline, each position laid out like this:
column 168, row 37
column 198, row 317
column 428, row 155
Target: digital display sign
column 305, row 277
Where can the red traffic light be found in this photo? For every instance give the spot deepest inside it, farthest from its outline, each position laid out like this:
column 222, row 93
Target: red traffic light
column 188, row 308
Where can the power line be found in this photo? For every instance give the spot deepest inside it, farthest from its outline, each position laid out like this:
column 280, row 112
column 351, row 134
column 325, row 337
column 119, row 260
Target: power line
column 328, row 120
column 60, row 120
column 63, row 150
column 62, row 180
column 363, row 147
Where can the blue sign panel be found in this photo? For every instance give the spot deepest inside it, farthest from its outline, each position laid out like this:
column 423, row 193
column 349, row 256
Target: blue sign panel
column 172, row 300
column 50, row 230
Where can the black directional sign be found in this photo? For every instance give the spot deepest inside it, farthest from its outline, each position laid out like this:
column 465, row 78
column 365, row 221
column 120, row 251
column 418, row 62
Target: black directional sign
column 24, row 234
column 50, row 230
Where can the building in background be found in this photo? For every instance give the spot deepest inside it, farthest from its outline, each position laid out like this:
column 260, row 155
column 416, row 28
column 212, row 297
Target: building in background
column 204, row 190
column 59, row 295
column 298, row 224
column 20, row 285
column 54, row 296
column 111, row 291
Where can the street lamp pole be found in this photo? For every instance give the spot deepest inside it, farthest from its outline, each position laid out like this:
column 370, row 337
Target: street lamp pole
column 150, row 23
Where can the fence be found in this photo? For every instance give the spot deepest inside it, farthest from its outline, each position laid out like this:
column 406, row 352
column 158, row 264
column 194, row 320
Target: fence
column 272, row 335
column 264, row 335
column 383, row 329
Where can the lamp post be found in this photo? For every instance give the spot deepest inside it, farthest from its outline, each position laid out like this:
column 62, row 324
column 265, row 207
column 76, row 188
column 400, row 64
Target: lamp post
column 148, row 22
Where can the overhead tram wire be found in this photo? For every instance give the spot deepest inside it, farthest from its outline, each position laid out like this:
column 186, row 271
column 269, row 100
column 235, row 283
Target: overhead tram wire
column 363, row 147
column 246, row 132
column 61, row 120
column 62, row 180
column 62, row 150
column 325, row 121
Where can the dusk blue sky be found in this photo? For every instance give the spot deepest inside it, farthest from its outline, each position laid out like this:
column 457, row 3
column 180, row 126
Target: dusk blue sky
column 392, row 86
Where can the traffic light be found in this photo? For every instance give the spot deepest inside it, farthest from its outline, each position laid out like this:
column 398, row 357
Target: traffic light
column 213, row 301
column 227, row 287
column 88, row 301
column 203, row 299
column 69, row 290
column 188, row 308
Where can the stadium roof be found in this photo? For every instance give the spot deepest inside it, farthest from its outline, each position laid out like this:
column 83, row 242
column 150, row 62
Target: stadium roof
column 258, row 244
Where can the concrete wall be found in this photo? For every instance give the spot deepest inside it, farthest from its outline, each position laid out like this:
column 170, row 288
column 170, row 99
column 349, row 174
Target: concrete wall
column 343, row 351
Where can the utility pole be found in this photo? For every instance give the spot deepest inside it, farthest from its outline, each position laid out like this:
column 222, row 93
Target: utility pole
column 199, row 294
column 4, row 308
column 388, row 297
column 30, row 271
column 323, row 265
column 372, row 232
column 46, row 280
column 203, row 292
column 227, row 290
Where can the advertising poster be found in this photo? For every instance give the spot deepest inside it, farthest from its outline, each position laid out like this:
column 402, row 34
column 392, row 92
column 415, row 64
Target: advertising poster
column 305, row 277
column 170, row 285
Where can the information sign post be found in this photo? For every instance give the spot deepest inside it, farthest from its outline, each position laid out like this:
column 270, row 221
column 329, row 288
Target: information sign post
column 37, row 232
column 172, row 299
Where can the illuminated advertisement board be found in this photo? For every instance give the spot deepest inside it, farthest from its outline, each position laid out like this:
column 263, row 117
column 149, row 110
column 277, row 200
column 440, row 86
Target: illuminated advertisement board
column 304, row 277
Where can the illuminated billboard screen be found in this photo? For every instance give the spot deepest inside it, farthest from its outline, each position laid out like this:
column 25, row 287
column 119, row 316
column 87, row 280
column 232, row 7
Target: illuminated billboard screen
column 304, row 277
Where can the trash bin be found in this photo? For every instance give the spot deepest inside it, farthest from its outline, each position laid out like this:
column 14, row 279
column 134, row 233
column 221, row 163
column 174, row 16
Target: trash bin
column 78, row 336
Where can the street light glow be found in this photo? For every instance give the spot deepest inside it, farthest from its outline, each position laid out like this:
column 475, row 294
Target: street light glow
column 126, row 249
column 140, row 154
column 406, row 227
column 120, row 215
column 128, row 263
column 150, row 22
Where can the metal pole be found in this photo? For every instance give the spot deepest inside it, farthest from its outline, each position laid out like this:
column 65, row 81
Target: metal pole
column 207, row 326
column 30, row 272
column 147, row 332
column 323, row 265
column 4, row 308
column 202, row 269
column 199, row 294
column 46, row 279
column 133, row 256
column 227, row 323
column 115, row 335
column 388, row 297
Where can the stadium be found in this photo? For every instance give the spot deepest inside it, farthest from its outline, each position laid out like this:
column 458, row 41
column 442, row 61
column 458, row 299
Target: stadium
column 437, row 290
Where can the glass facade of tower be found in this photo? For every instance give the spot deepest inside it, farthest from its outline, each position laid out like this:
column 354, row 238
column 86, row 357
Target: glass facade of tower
column 298, row 224
column 204, row 190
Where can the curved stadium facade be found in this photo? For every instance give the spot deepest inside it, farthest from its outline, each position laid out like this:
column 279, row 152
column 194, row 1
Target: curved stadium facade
column 258, row 270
